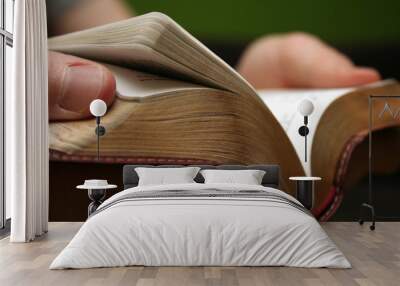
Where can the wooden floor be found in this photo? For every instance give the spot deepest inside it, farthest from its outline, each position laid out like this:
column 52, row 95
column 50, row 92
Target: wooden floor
column 375, row 257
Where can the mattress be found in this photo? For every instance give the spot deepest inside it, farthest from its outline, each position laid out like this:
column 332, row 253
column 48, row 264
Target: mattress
column 201, row 225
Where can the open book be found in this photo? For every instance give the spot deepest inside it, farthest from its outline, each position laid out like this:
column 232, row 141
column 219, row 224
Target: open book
column 178, row 102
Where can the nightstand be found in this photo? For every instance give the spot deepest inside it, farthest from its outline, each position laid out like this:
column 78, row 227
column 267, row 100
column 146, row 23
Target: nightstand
column 305, row 190
column 96, row 192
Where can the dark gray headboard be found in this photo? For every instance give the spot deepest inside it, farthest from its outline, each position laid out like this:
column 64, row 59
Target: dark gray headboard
column 271, row 177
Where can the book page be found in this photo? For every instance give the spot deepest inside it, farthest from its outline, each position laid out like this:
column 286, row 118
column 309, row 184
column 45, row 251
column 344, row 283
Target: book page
column 283, row 103
column 154, row 43
column 137, row 85
column 140, row 57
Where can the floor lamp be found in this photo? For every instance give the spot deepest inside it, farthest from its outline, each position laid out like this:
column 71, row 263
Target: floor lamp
column 305, row 108
column 98, row 108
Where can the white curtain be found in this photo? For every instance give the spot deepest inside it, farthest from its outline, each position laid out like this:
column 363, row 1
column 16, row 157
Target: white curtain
column 27, row 124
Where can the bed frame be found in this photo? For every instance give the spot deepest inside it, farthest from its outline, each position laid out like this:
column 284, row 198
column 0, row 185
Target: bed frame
column 270, row 179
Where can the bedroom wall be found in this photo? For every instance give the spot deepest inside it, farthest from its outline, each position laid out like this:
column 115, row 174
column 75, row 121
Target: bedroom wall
column 368, row 32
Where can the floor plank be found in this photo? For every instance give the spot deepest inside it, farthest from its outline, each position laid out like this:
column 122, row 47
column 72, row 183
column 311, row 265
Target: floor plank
column 375, row 257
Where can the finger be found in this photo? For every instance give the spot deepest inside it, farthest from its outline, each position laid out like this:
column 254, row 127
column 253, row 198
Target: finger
column 312, row 63
column 74, row 83
column 260, row 63
column 348, row 76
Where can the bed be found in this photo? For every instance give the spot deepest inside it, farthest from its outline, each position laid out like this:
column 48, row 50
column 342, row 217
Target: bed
column 198, row 224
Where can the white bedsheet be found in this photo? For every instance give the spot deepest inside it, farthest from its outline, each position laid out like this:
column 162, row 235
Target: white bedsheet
column 200, row 231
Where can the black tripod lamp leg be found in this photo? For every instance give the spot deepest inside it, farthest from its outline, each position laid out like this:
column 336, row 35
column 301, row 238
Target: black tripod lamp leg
column 372, row 210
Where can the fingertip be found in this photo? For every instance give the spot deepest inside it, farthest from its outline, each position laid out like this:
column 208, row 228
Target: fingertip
column 351, row 76
column 365, row 75
column 109, row 87
column 107, row 92
column 74, row 83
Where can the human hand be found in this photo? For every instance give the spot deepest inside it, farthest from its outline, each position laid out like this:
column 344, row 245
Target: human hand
column 300, row 60
column 74, row 83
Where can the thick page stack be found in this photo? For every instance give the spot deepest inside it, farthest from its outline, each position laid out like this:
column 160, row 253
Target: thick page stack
column 177, row 101
column 220, row 120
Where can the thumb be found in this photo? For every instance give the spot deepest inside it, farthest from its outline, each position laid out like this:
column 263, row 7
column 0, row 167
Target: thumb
column 74, row 83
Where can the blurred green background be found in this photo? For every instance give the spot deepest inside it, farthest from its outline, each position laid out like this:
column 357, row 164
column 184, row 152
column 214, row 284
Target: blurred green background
column 367, row 31
column 353, row 22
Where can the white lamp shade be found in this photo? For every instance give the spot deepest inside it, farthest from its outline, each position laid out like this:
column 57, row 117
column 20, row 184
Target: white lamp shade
column 306, row 107
column 98, row 108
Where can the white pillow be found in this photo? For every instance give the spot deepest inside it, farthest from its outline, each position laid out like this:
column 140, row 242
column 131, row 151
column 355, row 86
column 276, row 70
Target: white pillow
column 162, row 176
column 248, row 177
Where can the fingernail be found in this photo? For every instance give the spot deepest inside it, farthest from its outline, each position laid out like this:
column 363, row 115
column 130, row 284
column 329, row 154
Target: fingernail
column 80, row 85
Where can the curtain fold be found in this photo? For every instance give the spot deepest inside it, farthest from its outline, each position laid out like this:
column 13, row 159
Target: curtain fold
column 27, row 124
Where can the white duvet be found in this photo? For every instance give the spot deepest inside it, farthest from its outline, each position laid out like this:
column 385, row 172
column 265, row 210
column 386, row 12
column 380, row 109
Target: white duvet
column 200, row 231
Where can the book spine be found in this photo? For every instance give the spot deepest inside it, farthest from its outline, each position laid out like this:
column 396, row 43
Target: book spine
column 60, row 156
column 335, row 196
